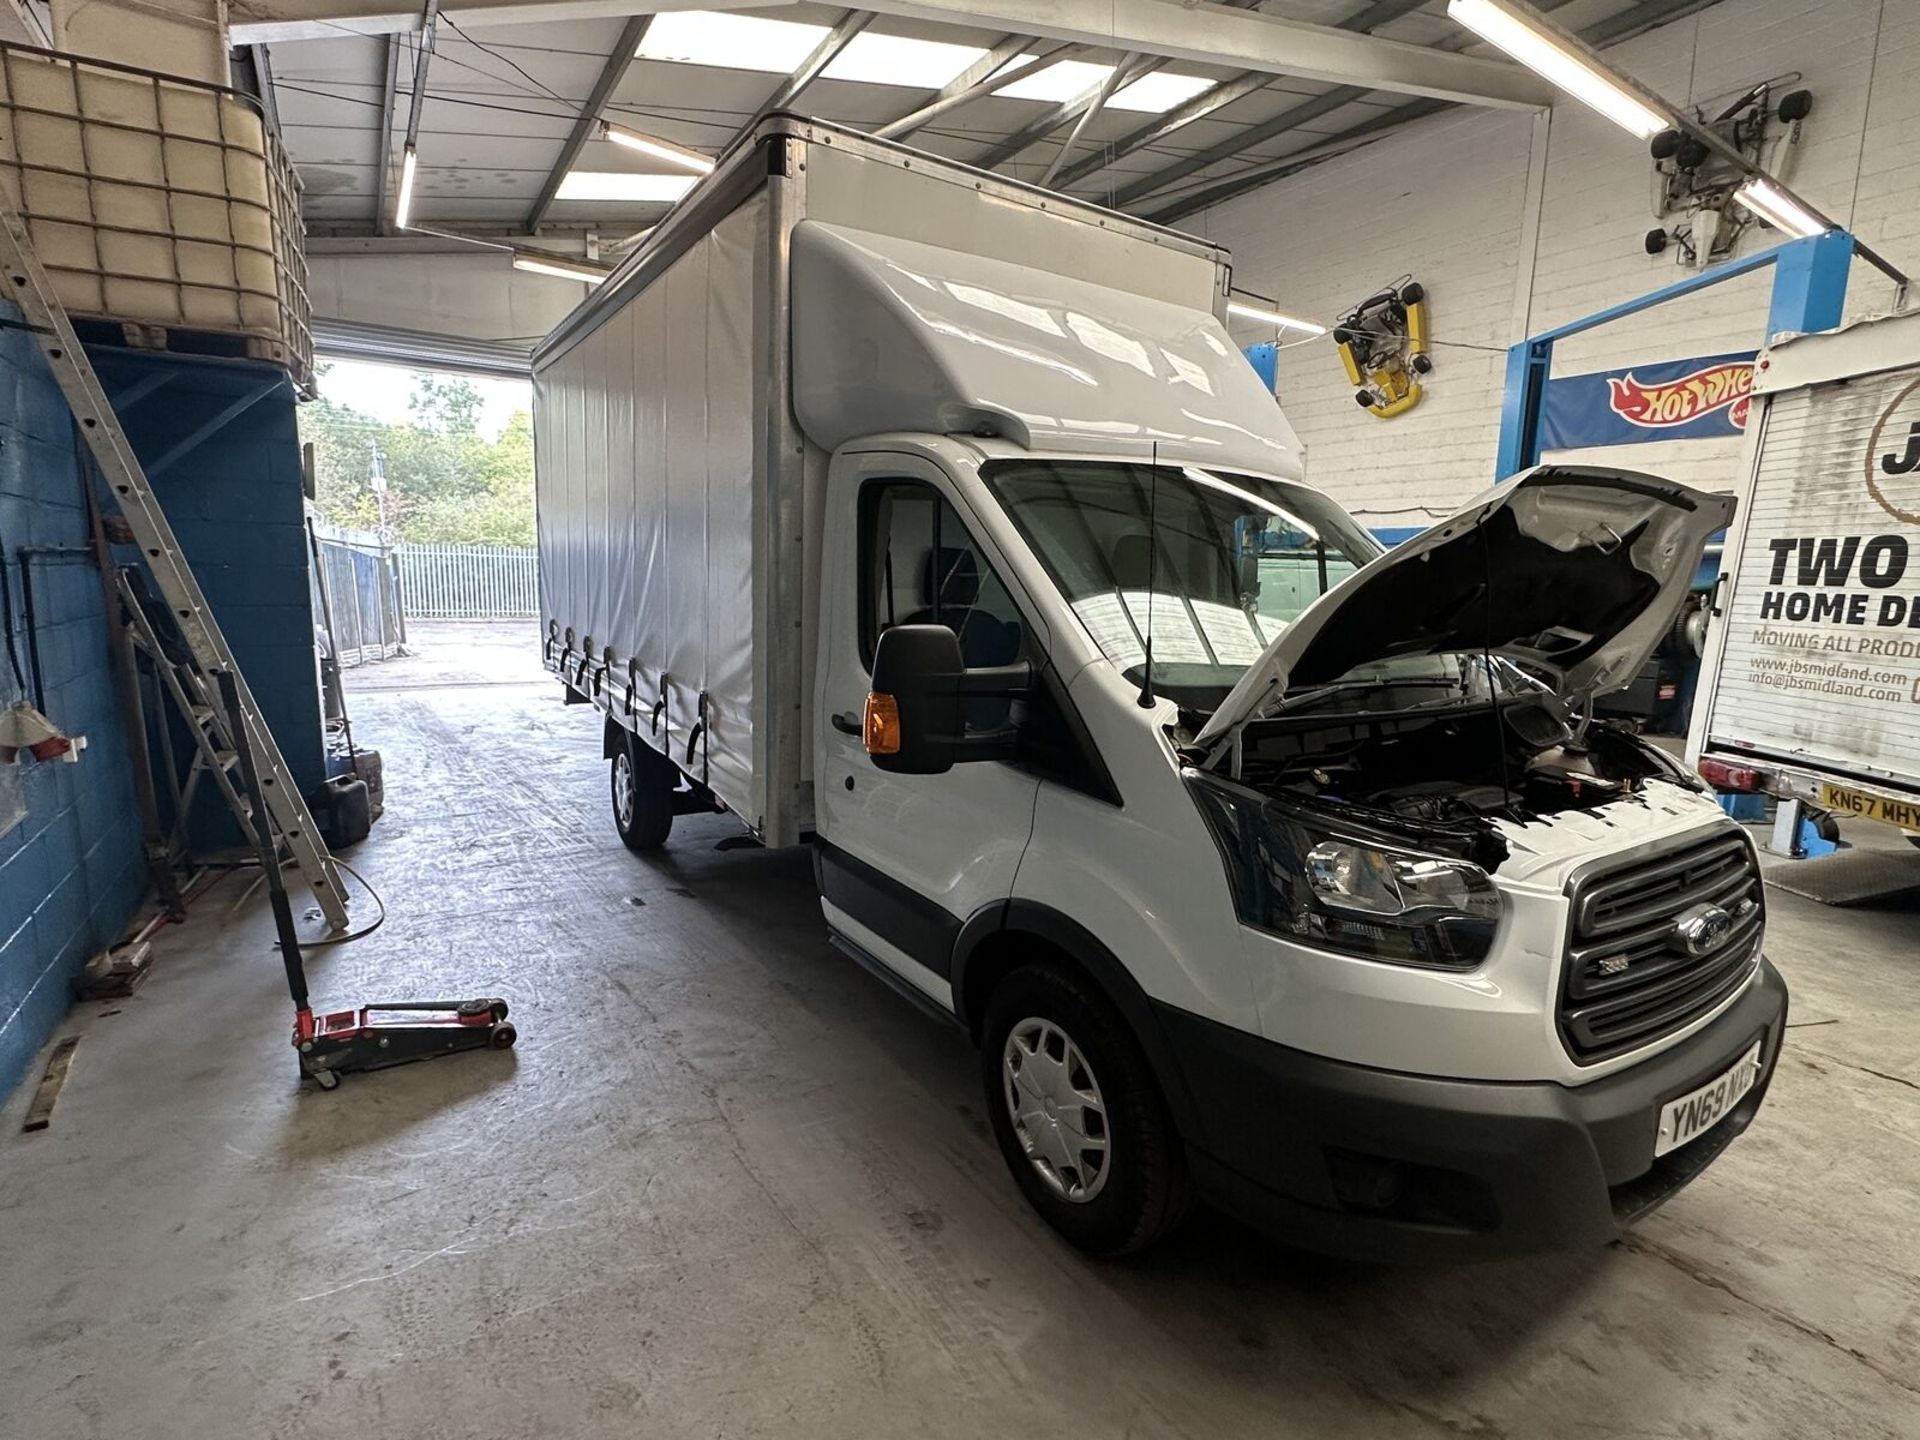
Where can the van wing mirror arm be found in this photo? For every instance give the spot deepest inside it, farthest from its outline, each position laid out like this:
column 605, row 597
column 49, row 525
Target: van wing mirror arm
column 1010, row 682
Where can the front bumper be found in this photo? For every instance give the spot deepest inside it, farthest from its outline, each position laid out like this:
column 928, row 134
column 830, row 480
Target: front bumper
column 1378, row 1165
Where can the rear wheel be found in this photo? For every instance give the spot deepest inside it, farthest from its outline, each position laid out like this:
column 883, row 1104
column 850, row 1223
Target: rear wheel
column 643, row 782
column 1078, row 1114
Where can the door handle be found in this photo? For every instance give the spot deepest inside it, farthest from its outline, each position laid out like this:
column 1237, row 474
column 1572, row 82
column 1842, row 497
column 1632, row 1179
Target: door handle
column 847, row 723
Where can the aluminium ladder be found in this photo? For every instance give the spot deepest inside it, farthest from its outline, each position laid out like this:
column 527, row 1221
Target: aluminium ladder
column 26, row 285
column 193, row 697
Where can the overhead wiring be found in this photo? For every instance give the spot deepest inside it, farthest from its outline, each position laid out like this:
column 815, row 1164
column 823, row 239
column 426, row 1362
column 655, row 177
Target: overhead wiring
column 572, row 109
column 441, row 97
column 507, row 60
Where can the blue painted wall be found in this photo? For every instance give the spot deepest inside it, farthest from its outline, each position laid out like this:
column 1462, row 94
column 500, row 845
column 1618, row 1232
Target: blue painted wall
column 71, row 876
column 236, row 503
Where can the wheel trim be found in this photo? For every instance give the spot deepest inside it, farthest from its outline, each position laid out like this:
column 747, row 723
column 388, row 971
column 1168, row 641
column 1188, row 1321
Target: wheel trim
column 1059, row 1114
column 623, row 790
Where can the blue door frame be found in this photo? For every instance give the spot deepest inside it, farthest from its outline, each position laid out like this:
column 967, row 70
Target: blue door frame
column 1809, row 293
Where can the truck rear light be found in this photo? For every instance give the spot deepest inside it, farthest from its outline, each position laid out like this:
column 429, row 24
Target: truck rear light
column 1723, row 776
column 882, row 727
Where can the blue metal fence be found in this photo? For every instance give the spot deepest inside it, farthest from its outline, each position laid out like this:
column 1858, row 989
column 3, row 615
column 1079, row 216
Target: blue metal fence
column 360, row 591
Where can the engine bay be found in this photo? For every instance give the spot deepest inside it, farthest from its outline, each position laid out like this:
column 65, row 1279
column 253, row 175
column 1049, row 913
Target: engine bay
column 1520, row 759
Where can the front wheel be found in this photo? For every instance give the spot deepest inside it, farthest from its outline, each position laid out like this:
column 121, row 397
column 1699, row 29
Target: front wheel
column 642, row 783
column 1078, row 1114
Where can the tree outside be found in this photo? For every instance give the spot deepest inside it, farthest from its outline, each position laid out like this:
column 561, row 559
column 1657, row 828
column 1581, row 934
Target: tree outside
column 445, row 481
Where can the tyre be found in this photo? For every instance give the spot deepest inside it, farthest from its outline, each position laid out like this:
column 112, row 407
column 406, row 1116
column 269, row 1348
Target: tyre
column 1078, row 1114
column 643, row 782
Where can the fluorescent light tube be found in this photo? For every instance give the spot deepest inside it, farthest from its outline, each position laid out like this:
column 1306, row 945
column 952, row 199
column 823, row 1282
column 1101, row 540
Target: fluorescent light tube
column 554, row 265
column 1273, row 317
column 1779, row 209
column 403, row 203
column 1549, row 56
column 659, row 149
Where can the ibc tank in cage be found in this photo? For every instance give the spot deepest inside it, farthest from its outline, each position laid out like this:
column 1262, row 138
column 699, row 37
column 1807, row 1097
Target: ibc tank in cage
column 158, row 202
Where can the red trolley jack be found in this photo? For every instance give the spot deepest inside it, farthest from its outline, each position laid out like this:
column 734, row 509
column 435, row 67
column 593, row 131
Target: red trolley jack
column 335, row 1044
column 372, row 1037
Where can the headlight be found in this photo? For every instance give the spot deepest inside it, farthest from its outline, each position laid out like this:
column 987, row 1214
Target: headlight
column 1311, row 879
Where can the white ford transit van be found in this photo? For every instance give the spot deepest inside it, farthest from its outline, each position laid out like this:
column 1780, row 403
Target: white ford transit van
column 935, row 522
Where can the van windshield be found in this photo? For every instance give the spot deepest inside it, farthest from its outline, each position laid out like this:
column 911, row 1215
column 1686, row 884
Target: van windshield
column 1229, row 559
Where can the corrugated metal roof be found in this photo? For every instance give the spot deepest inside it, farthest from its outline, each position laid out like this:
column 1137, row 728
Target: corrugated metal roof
column 502, row 99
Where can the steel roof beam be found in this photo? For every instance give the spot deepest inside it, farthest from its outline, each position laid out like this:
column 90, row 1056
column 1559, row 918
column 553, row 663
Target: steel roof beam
column 588, row 120
column 1081, row 108
column 1291, row 118
column 1645, row 15
column 264, row 22
column 979, row 79
column 1287, row 165
column 1119, row 75
column 1381, row 12
column 1177, row 119
column 1066, row 112
column 970, row 84
column 1214, row 34
column 809, row 70
column 1211, row 34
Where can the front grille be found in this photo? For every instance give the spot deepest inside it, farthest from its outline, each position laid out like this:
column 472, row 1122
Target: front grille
column 1630, row 977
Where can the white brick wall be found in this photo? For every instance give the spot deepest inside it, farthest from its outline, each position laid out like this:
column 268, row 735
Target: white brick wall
column 1446, row 199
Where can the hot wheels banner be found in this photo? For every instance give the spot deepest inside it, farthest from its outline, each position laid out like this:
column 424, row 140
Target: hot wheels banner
column 1672, row 400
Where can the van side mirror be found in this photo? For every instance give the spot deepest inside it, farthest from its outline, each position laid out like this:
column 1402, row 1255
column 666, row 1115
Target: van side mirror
column 917, row 668
column 914, row 722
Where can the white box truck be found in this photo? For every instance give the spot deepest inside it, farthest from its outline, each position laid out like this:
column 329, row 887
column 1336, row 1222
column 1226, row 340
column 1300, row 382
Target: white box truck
column 1810, row 685
column 934, row 521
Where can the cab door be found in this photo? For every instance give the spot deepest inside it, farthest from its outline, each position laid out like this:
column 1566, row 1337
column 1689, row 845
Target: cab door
column 904, row 860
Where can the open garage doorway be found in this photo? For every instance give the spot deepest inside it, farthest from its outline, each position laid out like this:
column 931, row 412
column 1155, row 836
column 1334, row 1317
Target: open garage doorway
column 423, row 525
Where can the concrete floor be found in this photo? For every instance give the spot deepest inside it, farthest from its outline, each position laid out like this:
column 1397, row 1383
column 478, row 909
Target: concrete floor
column 730, row 1186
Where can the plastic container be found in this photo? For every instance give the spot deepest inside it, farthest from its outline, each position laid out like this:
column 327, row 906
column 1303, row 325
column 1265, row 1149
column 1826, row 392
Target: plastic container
column 159, row 201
